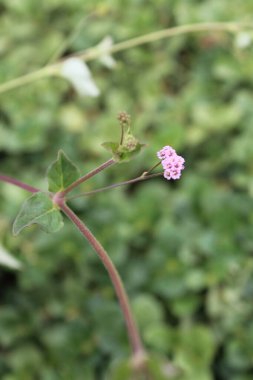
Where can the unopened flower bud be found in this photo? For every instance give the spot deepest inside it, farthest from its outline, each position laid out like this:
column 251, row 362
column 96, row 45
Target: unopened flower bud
column 124, row 117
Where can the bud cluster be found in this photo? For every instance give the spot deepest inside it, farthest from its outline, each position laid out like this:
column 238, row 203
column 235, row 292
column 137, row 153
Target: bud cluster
column 172, row 163
column 124, row 117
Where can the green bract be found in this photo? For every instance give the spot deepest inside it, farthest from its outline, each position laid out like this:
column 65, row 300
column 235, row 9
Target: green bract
column 38, row 209
column 126, row 150
column 61, row 173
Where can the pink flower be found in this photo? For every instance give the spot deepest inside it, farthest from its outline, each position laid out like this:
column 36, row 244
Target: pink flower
column 166, row 151
column 172, row 163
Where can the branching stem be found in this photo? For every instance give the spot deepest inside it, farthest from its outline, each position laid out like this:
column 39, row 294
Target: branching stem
column 95, row 52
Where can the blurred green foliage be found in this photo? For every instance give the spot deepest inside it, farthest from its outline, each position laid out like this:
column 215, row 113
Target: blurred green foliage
column 184, row 249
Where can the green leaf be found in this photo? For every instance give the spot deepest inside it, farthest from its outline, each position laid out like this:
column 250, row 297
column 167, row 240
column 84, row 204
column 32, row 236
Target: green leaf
column 62, row 173
column 111, row 146
column 120, row 370
column 157, row 368
column 38, row 209
column 194, row 351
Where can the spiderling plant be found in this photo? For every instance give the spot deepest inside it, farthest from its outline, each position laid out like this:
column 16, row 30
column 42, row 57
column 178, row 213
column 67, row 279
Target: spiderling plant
column 45, row 208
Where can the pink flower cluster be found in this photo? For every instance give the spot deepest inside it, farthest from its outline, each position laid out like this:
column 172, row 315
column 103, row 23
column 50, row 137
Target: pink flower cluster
column 171, row 162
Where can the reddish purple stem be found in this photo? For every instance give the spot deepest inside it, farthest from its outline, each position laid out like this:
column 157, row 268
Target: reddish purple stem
column 88, row 175
column 133, row 332
column 18, row 183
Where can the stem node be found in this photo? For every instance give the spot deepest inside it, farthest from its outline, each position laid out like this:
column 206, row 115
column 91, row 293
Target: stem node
column 58, row 198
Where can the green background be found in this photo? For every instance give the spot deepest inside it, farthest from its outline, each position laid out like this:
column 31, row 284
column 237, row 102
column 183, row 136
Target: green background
column 183, row 248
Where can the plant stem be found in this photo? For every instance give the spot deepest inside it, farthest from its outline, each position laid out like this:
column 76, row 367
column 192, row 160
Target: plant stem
column 18, row 183
column 133, row 332
column 29, row 78
column 93, row 53
column 153, row 167
column 143, row 177
column 122, row 134
column 231, row 27
column 87, row 176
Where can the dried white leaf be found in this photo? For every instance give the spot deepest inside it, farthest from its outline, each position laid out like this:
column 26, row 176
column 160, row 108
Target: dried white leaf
column 7, row 260
column 243, row 40
column 79, row 75
column 106, row 58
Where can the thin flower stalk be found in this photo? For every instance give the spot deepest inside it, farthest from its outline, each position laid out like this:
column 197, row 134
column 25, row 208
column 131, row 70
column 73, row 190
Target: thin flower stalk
column 143, row 177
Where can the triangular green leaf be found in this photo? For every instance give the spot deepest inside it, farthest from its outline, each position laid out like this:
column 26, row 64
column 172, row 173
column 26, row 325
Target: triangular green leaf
column 38, row 209
column 61, row 173
column 111, row 146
